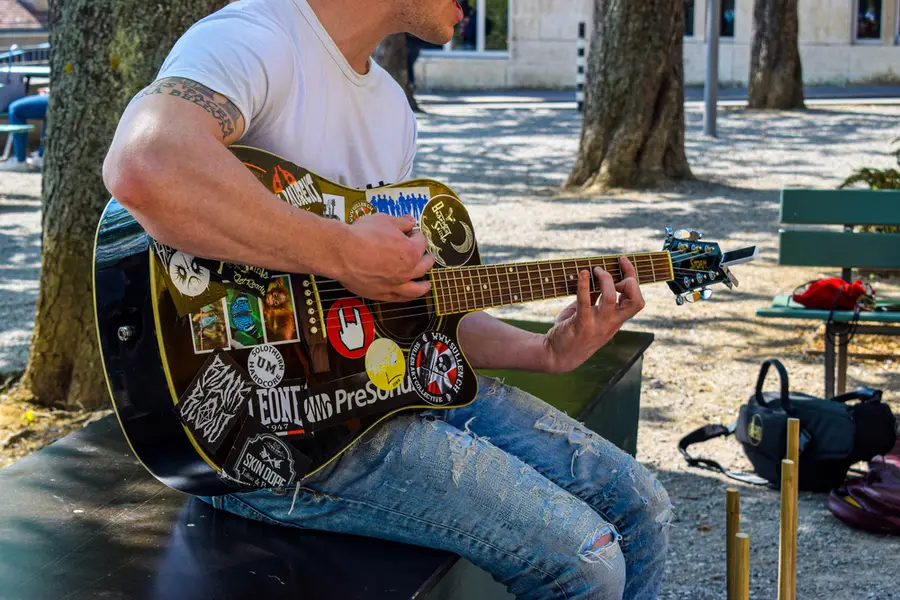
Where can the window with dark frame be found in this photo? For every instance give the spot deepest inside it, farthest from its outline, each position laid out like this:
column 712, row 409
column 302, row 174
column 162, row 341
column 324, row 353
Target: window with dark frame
column 726, row 22
column 496, row 35
column 689, row 18
column 868, row 19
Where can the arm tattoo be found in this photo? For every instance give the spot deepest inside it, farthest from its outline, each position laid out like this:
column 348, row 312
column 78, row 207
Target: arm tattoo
column 221, row 108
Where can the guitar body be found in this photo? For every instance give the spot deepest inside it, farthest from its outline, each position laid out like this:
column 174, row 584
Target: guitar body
column 300, row 356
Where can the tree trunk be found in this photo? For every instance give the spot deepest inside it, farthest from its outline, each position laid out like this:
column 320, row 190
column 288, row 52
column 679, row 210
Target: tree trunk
column 102, row 53
column 776, row 75
column 395, row 53
column 633, row 131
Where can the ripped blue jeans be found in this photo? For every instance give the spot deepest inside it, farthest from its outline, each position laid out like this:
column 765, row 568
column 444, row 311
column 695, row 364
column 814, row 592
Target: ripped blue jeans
column 520, row 489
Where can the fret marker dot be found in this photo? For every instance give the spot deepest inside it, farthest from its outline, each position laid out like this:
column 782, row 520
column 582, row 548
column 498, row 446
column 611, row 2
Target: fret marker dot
column 546, row 280
column 515, row 297
column 510, row 269
column 468, row 288
column 571, row 277
column 484, row 287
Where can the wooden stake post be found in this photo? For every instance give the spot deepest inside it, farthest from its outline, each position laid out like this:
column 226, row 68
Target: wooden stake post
column 787, row 550
column 732, row 528
column 742, row 556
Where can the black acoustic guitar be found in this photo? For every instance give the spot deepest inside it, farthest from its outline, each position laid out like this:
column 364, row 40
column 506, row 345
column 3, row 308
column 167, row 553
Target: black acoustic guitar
column 227, row 377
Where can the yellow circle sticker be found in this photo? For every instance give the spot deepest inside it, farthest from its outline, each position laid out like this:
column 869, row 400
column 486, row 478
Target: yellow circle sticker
column 385, row 364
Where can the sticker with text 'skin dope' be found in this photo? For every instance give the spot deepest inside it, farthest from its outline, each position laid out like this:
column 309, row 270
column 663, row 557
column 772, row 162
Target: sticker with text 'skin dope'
column 399, row 202
column 384, row 364
column 436, row 368
column 350, row 327
column 266, row 366
column 263, row 460
column 448, row 233
column 214, row 402
column 335, row 402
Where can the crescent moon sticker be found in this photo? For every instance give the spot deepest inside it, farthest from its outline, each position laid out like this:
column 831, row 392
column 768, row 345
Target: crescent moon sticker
column 466, row 246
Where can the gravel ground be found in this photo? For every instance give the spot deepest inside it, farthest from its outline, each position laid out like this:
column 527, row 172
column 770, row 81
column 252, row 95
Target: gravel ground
column 507, row 164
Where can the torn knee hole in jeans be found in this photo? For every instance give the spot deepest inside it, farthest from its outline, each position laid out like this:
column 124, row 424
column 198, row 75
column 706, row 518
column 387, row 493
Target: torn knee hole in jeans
column 598, row 546
column 581, row 438
column 462, row 447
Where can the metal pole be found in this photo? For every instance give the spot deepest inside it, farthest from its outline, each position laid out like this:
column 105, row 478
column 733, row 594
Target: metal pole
column 711, row 89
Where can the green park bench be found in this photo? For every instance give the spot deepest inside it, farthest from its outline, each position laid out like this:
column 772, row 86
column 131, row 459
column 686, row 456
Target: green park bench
column 9, row 130
column 82, row 519
column 843, row 248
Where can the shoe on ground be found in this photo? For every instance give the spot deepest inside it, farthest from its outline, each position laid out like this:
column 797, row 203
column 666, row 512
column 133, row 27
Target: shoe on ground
column 14, row 165
column 35, row 162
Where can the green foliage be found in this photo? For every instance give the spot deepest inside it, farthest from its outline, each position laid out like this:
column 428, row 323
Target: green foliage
column 878, row 179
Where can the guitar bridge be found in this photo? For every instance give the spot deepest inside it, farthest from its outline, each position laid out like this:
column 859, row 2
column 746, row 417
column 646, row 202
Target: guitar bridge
column 312, row 318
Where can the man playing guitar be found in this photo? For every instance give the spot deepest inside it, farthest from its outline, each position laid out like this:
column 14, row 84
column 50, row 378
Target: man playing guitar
column 548, row 507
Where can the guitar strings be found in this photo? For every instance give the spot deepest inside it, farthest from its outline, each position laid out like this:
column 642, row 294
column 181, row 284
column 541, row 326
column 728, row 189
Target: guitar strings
column 455, row 289
column 642, row 263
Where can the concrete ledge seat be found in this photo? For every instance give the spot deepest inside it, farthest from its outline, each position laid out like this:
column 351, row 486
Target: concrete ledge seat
column 82, row 519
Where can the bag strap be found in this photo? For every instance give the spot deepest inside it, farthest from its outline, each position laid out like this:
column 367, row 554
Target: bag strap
column 863, row 394
column 710, row 432
column 782, row 375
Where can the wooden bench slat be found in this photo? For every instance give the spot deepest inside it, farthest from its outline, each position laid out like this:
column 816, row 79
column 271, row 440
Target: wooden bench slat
column 785, row 308
column 839, row 249
column 840, row 207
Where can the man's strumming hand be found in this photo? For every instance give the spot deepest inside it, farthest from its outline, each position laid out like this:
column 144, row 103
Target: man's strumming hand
column 381, row 258
column 587, row 324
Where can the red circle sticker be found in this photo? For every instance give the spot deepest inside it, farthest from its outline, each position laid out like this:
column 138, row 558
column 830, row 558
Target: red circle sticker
column 350, row 327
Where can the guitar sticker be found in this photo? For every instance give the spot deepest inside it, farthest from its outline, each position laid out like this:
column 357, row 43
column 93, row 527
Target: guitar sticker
column 399, row 202
column 213, row 403
column 263, row 460
column 244, row 318
column 436, row 368
column 266, row 366
column 350, row 327
column 334, row 402
column 335, row 207
column 187, row 275
column 385, row 365
column 448, row 234
column 278, row 312
column 359, row 210
column 209, row 328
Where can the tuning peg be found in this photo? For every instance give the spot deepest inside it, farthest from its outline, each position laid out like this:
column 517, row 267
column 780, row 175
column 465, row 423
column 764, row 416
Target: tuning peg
column 679, row 300
column 731, row 280
column 705, row 294
column 697, row 235
column 699, row 277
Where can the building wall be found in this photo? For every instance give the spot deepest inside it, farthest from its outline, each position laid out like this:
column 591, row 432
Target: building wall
column 543, row 40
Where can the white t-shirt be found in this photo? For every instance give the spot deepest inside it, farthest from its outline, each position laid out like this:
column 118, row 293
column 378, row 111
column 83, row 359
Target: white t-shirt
column 299, row 96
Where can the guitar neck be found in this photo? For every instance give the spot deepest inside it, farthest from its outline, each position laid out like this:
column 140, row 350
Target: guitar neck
column 468, row 289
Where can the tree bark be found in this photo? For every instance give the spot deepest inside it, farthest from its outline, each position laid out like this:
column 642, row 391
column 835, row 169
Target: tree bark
column 633, row 130
column 103, row 53
column 776, row 75
column 394, row 60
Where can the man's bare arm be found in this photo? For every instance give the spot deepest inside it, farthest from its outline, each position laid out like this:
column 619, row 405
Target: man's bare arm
column 169, row 165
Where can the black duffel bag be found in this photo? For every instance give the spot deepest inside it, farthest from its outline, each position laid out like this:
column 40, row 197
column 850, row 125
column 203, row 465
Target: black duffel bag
column 834, row 433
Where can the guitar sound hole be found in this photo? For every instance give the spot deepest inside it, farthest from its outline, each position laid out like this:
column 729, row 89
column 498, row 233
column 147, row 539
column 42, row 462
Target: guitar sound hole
column 403, row 322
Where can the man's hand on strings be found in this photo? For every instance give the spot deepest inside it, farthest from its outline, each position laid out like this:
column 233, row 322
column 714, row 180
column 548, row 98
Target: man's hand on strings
column 592, row 320
column 382, row 257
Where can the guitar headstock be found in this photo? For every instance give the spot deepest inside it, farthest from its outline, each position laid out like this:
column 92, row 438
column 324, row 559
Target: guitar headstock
column 698, row 264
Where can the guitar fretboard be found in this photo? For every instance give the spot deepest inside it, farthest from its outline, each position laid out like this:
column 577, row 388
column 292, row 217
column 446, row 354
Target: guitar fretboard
column 467, row 289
